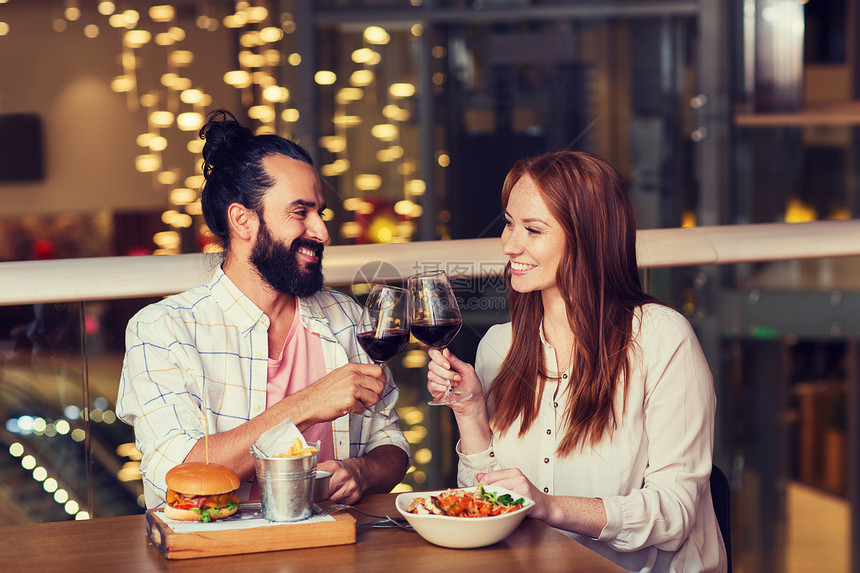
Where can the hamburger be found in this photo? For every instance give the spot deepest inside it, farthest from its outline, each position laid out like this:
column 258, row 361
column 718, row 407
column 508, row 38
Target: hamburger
column 201, row 492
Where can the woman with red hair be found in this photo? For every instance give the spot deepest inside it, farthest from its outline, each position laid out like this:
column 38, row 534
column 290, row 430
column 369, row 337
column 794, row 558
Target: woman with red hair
column 595, row 400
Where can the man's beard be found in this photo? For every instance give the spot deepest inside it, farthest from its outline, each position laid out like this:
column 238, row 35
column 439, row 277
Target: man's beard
column 279, row 266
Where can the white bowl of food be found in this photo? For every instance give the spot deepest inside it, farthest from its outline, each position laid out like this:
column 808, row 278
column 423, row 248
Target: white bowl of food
column 440, row 516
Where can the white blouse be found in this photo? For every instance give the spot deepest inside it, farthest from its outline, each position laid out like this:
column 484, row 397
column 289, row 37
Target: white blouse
column 652, row 474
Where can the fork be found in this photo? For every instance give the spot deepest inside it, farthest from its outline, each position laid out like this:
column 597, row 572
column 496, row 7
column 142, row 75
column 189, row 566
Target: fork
column 335, row 507
column 385, row 519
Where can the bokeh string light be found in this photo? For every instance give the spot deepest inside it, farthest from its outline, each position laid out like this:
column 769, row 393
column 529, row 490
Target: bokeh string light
column 53, row 483
column 159, row 78
column 176, row 106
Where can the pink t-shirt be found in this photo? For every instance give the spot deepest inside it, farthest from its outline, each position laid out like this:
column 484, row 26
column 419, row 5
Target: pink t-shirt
column 300, row 364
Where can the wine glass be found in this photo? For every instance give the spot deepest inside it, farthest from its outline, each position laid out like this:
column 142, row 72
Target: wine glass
column 434, row 319
column 383, row 329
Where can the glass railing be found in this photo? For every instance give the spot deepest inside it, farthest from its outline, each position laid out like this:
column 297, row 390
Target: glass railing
column 64, row 454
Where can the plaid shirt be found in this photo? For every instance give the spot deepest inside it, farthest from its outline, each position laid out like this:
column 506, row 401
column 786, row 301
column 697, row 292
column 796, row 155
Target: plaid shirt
column 197, row 362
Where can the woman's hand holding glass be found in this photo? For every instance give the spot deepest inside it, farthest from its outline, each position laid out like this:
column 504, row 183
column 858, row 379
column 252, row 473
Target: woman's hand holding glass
column 444, row 371
column 472, row 415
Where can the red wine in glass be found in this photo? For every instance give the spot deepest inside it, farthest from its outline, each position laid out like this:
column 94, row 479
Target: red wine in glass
column 383, row 329
column 381, row 347
column 438, row 334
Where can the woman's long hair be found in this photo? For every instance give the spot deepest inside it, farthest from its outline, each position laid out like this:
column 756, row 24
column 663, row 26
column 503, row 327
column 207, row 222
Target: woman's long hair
column 599, row 280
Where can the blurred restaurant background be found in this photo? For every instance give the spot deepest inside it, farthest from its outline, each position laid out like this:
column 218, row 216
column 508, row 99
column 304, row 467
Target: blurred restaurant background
column 717, row 112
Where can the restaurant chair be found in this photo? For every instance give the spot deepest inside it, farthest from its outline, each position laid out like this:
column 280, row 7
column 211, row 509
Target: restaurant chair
column 721, row 494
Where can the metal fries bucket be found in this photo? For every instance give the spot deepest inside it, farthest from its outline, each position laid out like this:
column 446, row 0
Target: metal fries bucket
column 286, row 486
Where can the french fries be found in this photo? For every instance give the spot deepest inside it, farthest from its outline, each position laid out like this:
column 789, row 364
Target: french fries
column 298, row 449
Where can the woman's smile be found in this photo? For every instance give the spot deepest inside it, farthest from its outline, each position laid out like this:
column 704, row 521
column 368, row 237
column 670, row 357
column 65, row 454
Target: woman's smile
column 518, row 268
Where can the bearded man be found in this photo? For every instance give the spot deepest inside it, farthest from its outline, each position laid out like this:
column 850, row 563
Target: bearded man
column 262, row 342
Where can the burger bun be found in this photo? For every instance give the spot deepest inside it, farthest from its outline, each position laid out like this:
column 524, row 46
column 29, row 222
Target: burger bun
column 196, row 478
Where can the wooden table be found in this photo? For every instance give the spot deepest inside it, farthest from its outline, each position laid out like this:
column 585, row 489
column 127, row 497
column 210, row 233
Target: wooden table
column 121, row 544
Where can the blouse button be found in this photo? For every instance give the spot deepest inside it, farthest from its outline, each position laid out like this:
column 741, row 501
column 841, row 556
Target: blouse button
column 548, row 432
column 564, row 376
column 546, row 490
column 492, row 454
column 257, row 407
column 555, row 404
column 546, row 460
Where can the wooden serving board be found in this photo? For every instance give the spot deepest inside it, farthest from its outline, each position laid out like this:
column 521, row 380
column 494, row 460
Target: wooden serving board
column 247, row 538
